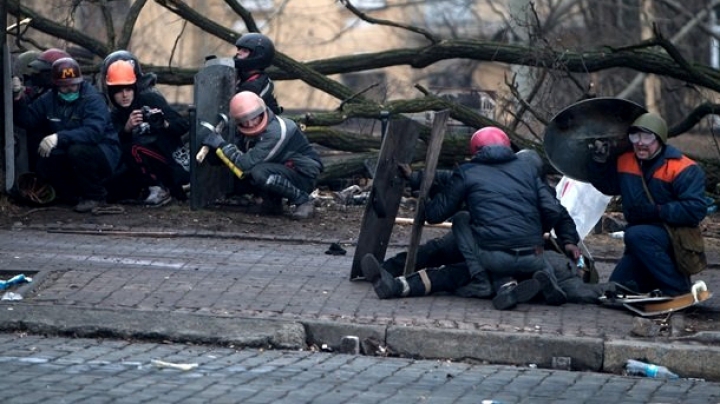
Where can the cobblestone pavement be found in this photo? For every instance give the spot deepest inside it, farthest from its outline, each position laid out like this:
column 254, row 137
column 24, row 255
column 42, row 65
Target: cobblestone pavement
column 36, row 369
column 264, row 279
column 234, row 279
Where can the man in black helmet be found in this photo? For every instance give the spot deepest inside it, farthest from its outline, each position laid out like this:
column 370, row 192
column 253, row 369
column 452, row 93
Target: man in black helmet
column 255, row 53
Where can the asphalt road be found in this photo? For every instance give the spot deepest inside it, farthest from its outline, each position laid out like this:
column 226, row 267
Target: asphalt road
column 36, row 369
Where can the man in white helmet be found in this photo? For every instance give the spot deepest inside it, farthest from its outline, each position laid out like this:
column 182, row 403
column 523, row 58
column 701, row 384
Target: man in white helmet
column 272, row 155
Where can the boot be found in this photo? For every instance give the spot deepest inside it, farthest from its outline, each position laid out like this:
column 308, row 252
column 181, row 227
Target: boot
column 280, row 186
column 510, row 294
column 385, row 285
column 552, row 292
column 395, row 264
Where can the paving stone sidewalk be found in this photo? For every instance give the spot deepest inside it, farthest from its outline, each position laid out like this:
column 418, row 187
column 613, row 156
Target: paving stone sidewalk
column 208, row 288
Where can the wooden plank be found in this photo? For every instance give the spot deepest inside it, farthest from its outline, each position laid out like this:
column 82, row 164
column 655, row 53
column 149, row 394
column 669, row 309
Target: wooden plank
column 386, row 192
column 437, row 135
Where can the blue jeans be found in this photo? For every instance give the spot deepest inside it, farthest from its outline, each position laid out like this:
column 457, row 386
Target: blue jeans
column 647, row 263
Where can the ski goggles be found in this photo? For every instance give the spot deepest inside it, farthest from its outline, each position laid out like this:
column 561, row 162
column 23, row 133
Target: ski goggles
column 637, row 135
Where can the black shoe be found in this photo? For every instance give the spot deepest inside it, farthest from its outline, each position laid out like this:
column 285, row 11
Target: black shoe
column 383, row 282
column 370, row 268
column 512, row 293
column 552, row 292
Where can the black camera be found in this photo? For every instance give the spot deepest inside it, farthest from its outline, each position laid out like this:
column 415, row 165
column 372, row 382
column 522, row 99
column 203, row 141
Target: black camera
column 152, row 121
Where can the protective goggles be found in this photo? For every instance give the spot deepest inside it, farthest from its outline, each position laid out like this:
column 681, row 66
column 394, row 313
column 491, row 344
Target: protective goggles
column 637, row 135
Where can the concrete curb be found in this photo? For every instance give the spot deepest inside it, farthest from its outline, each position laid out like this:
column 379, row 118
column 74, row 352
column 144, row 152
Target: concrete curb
column 689, row 359
column 180, row 327
column 497, row 347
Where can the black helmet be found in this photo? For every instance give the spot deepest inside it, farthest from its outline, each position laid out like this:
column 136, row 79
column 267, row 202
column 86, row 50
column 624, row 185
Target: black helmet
column 262, row 51
column 66, row 72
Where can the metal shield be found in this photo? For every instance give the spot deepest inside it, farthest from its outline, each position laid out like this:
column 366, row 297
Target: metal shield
column 570, row 134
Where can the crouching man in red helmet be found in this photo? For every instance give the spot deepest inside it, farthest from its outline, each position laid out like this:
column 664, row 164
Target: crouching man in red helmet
column 509, row 210
column 272, row 153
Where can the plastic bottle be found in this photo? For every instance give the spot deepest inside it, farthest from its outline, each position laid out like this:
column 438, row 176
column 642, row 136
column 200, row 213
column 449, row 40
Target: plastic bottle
column 637, row 368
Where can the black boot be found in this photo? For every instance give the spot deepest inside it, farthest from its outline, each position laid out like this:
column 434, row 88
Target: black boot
column 395, row 264
column 552, row 292
column 385, row 285
column 282, row 187
column 510, row 294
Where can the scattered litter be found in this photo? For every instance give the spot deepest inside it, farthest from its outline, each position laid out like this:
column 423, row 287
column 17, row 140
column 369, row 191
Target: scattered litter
column 335, row 249
column 178, row 366
column 637, row 368
column 11, row 296
column 14, row 281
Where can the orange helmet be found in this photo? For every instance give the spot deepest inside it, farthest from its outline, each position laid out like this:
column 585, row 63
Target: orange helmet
column 488, row 136
column 120, row 73
column 245, row 106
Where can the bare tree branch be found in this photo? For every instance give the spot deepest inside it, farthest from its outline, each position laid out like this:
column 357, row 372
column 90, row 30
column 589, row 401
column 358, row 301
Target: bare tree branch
column 429, row 36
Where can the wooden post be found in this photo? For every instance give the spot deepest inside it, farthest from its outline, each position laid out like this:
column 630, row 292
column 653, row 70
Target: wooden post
column 388, row 186
column 436, row 140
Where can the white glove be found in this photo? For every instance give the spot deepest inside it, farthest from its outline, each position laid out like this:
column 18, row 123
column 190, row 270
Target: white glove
column 47, row 144
column 17, row 85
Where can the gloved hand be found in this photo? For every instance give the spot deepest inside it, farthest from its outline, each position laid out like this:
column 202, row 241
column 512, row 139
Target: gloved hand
column 47, row 144
column 600, row 151
column 17, row 85
column 213, row 140
column 573, row 251
column 18, row 89
column 644, row 213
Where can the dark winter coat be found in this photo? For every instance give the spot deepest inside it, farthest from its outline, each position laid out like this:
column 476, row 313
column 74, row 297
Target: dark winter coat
column 85, row 120
column 510, row 207
column 676, row 182
column 290, row 148
column 259, row 83
column 177, row 124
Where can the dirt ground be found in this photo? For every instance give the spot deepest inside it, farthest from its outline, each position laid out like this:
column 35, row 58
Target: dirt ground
column 334, row 221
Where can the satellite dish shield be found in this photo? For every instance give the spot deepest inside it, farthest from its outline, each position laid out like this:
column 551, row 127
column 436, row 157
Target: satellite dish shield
column 569, row 135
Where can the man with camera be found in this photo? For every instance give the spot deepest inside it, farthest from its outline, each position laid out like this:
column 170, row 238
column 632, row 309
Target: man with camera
column 150, row 131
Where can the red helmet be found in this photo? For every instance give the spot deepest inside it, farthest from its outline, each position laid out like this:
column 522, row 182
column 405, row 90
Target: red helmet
column 66, row 72
column 244, row 107
column 488, row 136
column 45, row 60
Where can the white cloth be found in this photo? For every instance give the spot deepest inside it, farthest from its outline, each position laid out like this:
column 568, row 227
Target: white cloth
column 585, row 204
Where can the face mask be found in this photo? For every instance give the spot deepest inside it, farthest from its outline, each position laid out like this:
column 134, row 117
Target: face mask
column 69, row 97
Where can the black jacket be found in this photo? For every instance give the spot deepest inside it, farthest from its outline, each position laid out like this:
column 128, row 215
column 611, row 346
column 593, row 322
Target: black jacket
column 510, row 207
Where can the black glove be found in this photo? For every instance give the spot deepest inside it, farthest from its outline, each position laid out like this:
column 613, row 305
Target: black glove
column 213, row 140
column 600, row 151
column 644, row 213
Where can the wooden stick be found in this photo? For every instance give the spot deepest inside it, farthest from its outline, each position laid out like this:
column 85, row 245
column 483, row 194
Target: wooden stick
column 437, row 134
column 407, row 221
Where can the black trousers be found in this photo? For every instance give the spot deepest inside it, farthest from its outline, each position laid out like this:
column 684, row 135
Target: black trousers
column 77, row 172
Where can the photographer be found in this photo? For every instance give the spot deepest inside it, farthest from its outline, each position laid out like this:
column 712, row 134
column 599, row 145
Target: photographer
column 150, row 131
